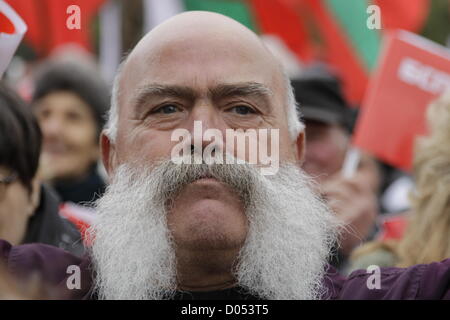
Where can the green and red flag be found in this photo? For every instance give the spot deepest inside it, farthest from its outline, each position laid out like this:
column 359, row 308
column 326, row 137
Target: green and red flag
column 348, row 43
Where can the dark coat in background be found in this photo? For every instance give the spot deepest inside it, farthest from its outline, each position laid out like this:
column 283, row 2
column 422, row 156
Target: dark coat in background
column 48, row 227
column 83, row 191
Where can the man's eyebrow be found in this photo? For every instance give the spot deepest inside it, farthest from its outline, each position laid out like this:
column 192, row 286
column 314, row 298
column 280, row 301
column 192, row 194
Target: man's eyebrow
column 142, row 94
column 241, row 89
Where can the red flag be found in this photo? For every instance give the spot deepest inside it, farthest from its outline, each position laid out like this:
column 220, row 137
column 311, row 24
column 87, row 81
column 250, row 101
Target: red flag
column 404, row 14
column 413, row 71
column 47, row 22
column 276, row 17
column 58, row 15
column 393, row 227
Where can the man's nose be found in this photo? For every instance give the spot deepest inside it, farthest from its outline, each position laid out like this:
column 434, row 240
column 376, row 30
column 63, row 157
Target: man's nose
column 206, row 117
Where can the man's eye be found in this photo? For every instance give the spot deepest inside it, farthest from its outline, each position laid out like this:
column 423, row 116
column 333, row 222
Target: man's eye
column 242, row 110
column 167, row 109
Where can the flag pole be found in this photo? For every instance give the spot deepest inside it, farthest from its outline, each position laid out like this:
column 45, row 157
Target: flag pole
column 110, row 39
column 351, row 162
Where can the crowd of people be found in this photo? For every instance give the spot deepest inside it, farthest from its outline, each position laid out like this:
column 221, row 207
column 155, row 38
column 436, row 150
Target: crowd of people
column 209, row 231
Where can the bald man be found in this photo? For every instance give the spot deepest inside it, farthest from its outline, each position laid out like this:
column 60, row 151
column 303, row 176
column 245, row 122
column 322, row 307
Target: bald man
column 167, row 229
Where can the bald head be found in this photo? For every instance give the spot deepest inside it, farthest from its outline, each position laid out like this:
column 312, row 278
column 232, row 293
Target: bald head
column 201, row 34
column 200, row 30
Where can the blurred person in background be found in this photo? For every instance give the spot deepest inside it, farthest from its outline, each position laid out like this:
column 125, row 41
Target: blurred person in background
column 70, row 101
column 329, row 120
column 28, row 209
column 426, row 238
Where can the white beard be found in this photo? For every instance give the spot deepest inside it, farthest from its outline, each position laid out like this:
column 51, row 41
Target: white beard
column 290, row 232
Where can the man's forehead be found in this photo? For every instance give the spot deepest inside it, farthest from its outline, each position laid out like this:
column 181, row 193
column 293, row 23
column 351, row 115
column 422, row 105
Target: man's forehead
column 197, row 26
column 189, row 52
column 199, row 53
column 201, row 72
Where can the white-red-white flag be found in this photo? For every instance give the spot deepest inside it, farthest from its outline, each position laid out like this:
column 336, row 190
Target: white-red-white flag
column 12, row 29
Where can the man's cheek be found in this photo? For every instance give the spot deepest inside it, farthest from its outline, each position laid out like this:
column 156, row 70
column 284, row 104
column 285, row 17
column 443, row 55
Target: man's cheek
column 144, row 146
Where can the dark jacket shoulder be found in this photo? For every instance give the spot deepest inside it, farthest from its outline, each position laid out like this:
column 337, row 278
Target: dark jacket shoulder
column 48, row 227
column 53, row 265
column 423, row 281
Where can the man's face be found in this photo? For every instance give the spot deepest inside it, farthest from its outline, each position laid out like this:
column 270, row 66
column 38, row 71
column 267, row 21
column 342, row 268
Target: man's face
column 163, row 226
column 326, row 148
column 178, row 80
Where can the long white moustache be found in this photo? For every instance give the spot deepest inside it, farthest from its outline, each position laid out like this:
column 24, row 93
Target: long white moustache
column 290, row 232
column 290, row 236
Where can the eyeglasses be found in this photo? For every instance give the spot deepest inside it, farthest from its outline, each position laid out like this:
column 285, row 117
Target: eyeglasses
column 5, row 182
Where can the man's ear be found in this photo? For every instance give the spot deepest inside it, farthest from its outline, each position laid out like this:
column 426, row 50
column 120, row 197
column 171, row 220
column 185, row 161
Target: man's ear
column 301, row 147
column 108, row 152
